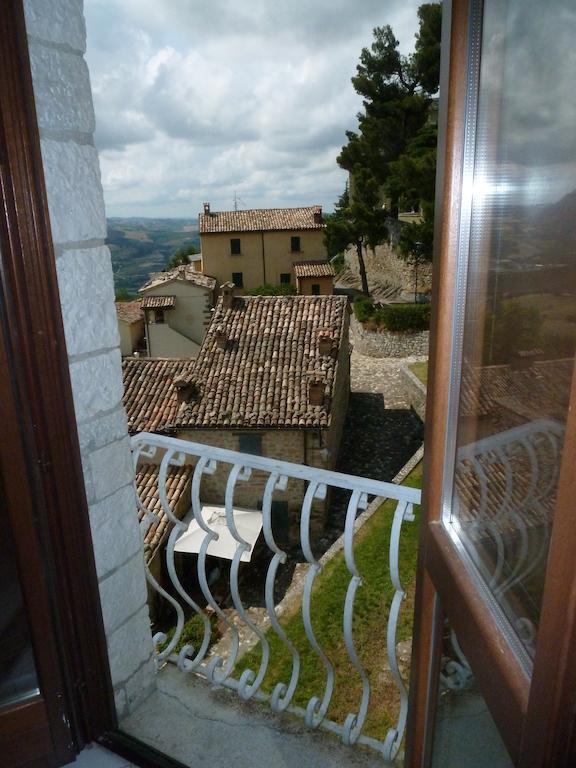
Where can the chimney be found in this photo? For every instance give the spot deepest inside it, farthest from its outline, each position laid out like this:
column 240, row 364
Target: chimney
column 325, row 343
column 207, row 209
column 187, row 390
column 316, row 387
column 221, row 337
column 227, row 291
column 317, row 214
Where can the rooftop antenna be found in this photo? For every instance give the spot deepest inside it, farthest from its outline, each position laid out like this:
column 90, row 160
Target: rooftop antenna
column 238, row 200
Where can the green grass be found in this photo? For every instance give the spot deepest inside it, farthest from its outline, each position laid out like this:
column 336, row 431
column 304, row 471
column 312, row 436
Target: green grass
column 371, row 608
column 420, row 370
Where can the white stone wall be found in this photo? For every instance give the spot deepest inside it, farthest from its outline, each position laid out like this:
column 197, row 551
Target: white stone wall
column 57, row 41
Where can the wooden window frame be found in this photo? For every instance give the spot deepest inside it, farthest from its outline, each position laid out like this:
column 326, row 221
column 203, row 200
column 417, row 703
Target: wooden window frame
column 535, row 714
column 33, row 327
column 295, row 244
column 241, row 276
column 235, row 246
column 283, row 280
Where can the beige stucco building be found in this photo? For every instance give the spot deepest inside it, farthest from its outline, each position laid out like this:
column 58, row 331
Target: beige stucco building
column 177, row 307
column 272, row 378
column 257, row 247
column 314, row 278
column 130, row 327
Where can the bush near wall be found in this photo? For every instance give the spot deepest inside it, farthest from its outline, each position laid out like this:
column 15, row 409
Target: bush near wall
column 286, row 289
column 393, row 317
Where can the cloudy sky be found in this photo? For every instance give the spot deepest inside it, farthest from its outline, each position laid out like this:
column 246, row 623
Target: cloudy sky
column 198, row 100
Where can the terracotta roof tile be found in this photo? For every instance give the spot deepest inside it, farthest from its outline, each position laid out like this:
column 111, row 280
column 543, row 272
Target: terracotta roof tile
column 253, row 369
column 158, row 302
column 129, row 311
column 257, row 220
column 178, row 481
column 184, row 272
column 313, row 269
column 150, row 397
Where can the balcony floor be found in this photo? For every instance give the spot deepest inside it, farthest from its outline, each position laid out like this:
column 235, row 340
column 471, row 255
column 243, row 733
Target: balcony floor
column 210, row 728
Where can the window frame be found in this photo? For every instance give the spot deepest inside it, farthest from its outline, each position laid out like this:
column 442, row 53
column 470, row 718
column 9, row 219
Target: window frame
column 241, row 276
column 235, row 246
column 315, row 289
column 534, row 714
column 250, row 436
column 284, row 275
column 295, row 244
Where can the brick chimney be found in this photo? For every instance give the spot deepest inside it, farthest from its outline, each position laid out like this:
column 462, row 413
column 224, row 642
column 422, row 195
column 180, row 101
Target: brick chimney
column 227, row 290
column 325, row 343
column 207, row 209
column 317, row 214
column 316, row 387
column 221, row 337
column 187, row 390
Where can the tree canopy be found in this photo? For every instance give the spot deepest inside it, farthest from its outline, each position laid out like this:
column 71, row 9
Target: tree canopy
column 181, row 256
column 391, row 158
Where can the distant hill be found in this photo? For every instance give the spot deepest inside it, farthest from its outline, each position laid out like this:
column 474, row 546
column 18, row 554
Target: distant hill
column 140, row 246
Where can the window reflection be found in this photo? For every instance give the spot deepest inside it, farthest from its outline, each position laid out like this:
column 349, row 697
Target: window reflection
column 520, row 318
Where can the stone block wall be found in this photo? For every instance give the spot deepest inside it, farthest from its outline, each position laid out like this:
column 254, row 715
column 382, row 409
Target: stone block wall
column 388, row 343
column 57, row 42
column 415, row 391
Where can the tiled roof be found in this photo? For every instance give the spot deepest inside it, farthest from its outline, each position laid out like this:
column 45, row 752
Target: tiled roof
column 257, row 220
column 177, row 485
column 518, row 395
column 313, row 269
column 158, row 302
column 184, row 272
column 261, row 377
column 149, row 394
column 258, row 378
column 129, row 311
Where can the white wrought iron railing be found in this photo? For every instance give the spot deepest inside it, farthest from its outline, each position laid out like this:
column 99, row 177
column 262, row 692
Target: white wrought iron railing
column 167, row 452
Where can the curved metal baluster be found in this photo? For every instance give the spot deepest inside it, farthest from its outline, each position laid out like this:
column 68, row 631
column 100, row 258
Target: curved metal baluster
column 485, row 523
column 249, row 682
column 216, row 670
column 174, row 459
column 185, row 663
column 316, row 709
column 394, row 736
column 516, row 518
column 354, row 721
column 282, row 693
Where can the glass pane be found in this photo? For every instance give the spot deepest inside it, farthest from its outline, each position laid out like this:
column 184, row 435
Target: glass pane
column 18, row 680
column 519, row 322
column 465, row 733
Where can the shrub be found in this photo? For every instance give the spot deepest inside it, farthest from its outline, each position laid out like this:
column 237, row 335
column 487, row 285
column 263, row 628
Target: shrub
column 363, row 308
column 286, row 289
column 404, row 317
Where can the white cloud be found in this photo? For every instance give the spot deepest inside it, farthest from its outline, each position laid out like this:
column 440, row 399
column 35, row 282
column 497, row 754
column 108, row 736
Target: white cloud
column 198, row 101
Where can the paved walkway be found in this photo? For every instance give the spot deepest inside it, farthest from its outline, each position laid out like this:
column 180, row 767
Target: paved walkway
column 381, row 431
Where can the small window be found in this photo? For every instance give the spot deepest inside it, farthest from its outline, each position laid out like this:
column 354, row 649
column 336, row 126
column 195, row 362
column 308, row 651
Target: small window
column 159, row 316
column 250, row 443
column 285, row 278
column 235, row 245
column 238, row 279
column 315, row 289
column 295, row 244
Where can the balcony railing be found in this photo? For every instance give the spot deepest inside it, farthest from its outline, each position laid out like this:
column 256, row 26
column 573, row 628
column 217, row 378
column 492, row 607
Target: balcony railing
column 274, row 476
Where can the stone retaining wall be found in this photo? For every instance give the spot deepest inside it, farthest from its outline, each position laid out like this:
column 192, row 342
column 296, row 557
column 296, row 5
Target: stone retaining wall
column 388, row 343
column 415, row 391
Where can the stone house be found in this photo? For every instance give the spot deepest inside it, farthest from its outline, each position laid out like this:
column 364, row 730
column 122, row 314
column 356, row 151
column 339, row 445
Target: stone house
column 314, row 278
column 257, row 247
column 177, row 308
column 130, row 327
column 272, row 378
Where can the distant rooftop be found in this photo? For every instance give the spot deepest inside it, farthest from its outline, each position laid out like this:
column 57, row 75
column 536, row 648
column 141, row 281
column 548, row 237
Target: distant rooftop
column 254, row 369
column 185, row 273
column 129, row 311
column 177, row 484
column 258, row 220
column 313, row 269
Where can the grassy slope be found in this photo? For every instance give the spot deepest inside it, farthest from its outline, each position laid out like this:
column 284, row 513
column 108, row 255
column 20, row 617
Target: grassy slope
column 420, row 370
column 373, row 601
